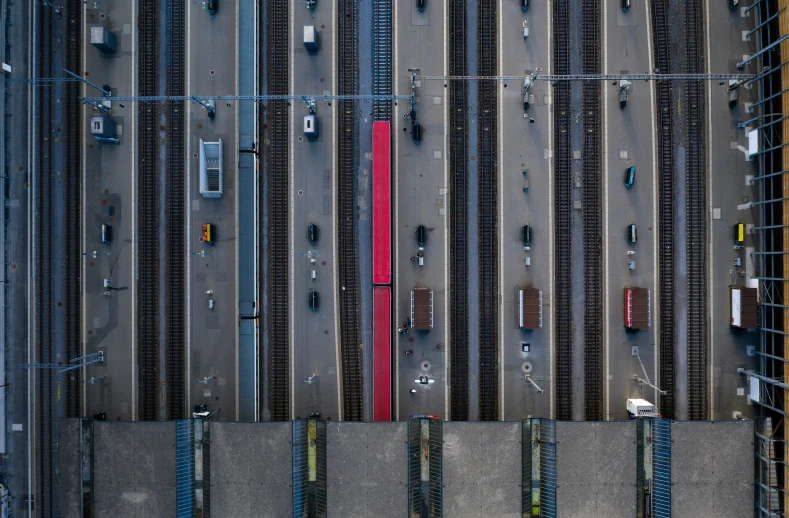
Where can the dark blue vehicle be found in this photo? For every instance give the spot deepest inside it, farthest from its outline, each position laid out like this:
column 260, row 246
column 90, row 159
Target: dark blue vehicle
column 630, row 176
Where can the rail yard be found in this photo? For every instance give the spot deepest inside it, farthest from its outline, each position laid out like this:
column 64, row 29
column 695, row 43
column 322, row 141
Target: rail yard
column 523, row 214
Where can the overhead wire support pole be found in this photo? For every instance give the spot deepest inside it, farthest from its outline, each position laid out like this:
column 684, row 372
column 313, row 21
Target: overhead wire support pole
column 257, row 98
column 765, row 49
column 97, row 105
column 94, row 85
column 598, row 77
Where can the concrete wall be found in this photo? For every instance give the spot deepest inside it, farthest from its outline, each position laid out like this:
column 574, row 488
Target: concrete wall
column 367, row 469
column 251, row 469
column 712, row 469
column 596, row 469
column 482, row 469
column 134, row 469
column 70, row 478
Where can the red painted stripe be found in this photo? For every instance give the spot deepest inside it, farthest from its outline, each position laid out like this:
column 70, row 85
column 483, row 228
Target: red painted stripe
column 382, row 353
column 382, row 204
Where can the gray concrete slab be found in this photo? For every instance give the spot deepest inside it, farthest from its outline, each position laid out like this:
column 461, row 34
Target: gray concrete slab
column 212, row 334
column 109, row 191
column 629, row 139
column 728, row 172
column 17, row 265
column 712, row 468
column 367, row 469
column 314, row 335
column 596, row 469
column 524, row 145
column 251, row 465
column 420, row 199
column 134, row 469
column 482, row 469
column 247, row 206
column 365, row 193
column 69, row 467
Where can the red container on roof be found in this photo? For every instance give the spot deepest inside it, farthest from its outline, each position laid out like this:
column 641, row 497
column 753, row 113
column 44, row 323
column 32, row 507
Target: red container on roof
column 382, row 353
column 382, row 204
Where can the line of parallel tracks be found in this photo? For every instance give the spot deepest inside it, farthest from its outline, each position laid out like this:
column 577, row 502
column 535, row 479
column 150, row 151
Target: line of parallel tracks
column 274, row 126
column 592, row 201
column 73, row 233
column 149, row 219
column 488, row 213
column 666, row 194
column 57, row 272
column 347, row 238
column 458, row 214
column 382, row 58
column 563, row 206
column 174, row 269
column 696, row 210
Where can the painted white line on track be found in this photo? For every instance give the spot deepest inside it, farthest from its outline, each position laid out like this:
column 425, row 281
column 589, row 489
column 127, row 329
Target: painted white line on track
column 606, row 343
column 447, row 201
column 32, row 160
column 188, row 201
column 500, row 150
column 291, row 227
column 336, row 269
column 710, row 270
column 135, row 248
column 655, row 197
column 237, row 23
column 83, row 173
column 397, row 218
column 552, row 348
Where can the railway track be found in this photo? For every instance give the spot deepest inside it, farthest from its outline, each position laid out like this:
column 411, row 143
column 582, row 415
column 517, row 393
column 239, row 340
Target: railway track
column 174, row 269
column 666, row 195
column 488, row 213
column 347, row 239
column 274, row 118
column 563, row 206
column 58, row 200
column 148, row 306
column 73, row 255
column 458, row 214
column 46, row 416
column 592, row 201
column 696, row 210
column 382, row 58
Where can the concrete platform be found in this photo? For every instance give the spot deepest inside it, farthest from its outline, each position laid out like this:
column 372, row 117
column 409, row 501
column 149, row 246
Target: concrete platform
column 523, row 145
column 109, row 197
column 368, row 469
column 482, row 469
column 314, row 335
column 596, row 469
column 420, row 198
column 212, row 334
column 712, row 469
column 251, row 467
column 629, row 139
column 134, row 469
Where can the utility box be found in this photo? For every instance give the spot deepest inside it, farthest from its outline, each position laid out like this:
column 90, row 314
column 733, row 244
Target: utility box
column 638, row 312
column 102, row 127
column 311, row 126
column 422, row 309
column 310, row 38
column 103, row 39
column 743, row 307
column 529, row 308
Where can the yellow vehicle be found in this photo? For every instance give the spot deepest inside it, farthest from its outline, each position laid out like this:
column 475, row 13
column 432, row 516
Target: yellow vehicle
column 739, row 233
column 208, row 234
